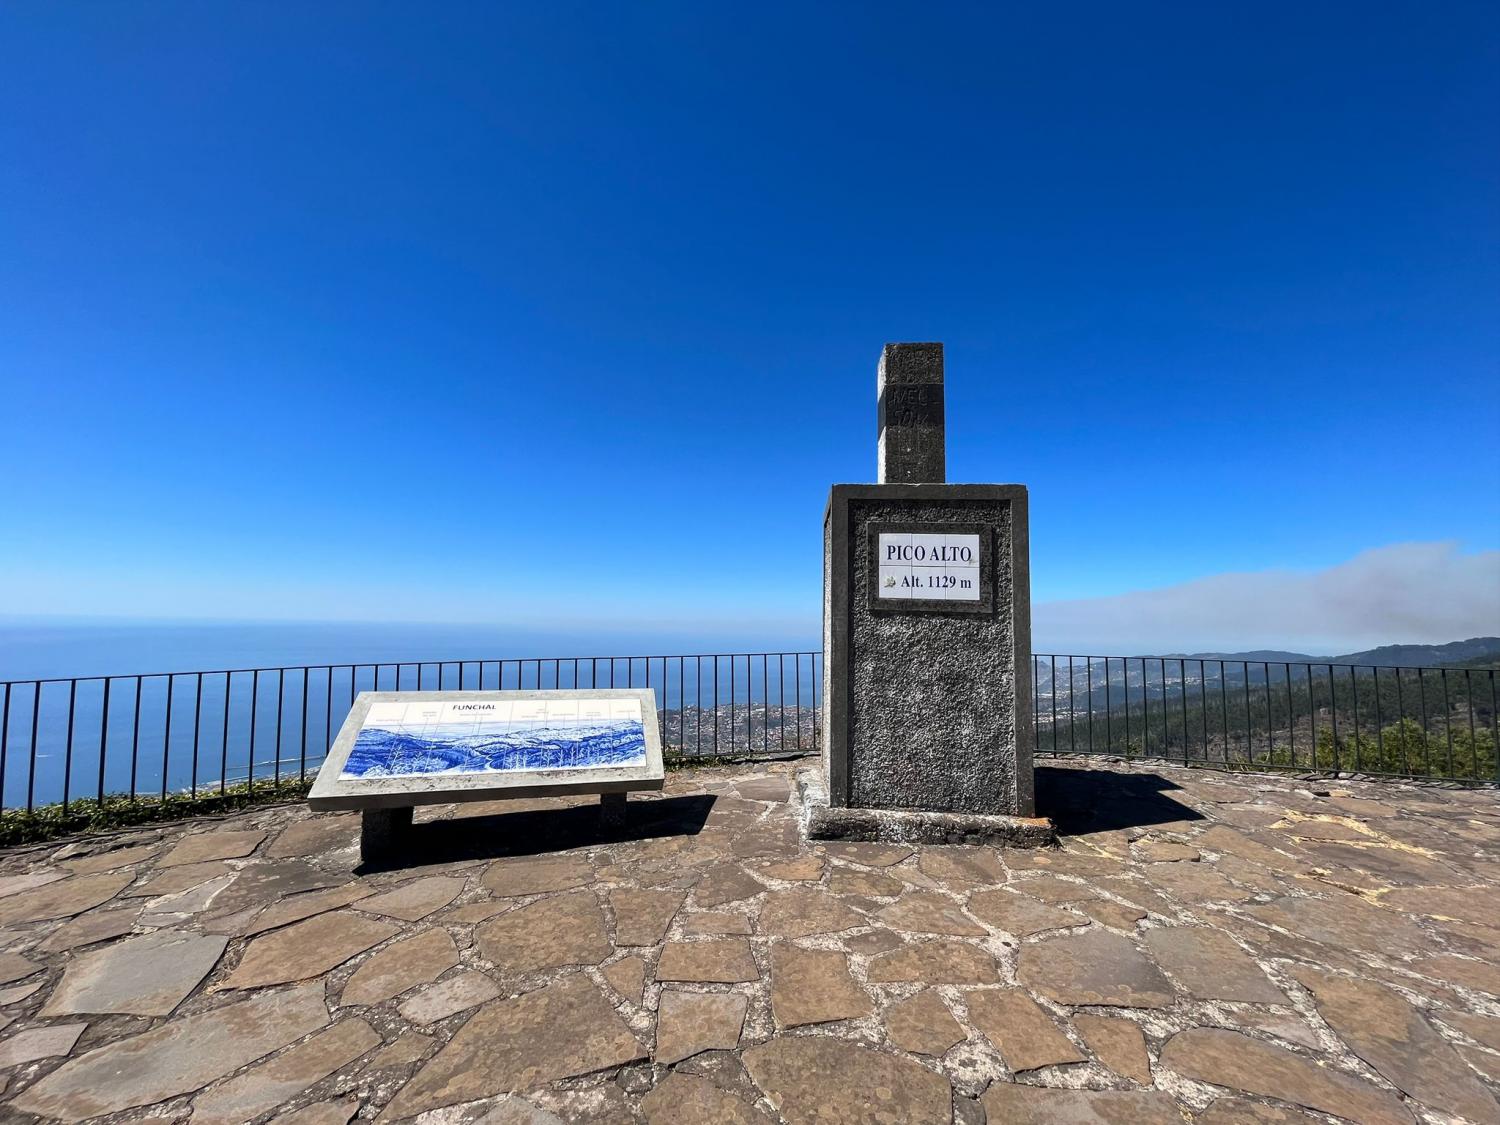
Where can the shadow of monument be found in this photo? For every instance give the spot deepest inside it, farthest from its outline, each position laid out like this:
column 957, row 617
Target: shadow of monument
column 1084, row 800
column 539, row 831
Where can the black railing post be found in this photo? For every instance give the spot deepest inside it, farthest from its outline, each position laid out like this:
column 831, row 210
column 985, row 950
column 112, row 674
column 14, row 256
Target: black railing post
column 4, row 743
column 1426, row 738
column 224, row 734
column 103, row 742
column 1036, row 702
column 68, row 745
column 1147, row 730
column 197, row 716
column 1473, row 740
column 816, row 700
column 1088, row 691
column 1379, row 718
column 1265, row 671
column 1354, row 685
column 1072, row 712
column 780, row 695
column 1333, row 711
column 166, row 740
column 250, row 754
column 1312, row 714
column 1249, row 734
column 1166, row 712
column 36, row 705
column 1182, row 673
column 765, row 698
column 1203, row 706
column 1401, row 722
column 1052, row 691
column 1495, row 726
column 1291, row 716
column 1447, row 718
column 280, row 698
column 1109, row 714
column 302, row 763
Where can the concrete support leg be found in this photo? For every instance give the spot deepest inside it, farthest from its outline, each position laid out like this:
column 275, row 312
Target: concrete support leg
column 612, row 811
column 383, row 833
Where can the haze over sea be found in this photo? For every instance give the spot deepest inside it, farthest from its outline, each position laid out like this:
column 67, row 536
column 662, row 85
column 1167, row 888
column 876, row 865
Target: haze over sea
column 40, row 649
column 1411, row 593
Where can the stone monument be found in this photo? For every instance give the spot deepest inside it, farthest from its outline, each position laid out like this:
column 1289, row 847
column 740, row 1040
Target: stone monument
column 927, row 707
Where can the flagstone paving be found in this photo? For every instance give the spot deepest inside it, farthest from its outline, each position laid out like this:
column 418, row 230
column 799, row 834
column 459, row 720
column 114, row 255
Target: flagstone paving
column 143, row 976
column 1208, row 948
column 688, row 1023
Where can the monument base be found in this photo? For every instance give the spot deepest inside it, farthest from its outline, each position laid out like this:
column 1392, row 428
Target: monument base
column 821, row 821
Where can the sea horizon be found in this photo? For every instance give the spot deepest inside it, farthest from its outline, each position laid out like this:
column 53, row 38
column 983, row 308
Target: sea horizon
column 38, row 647
column 66, row 648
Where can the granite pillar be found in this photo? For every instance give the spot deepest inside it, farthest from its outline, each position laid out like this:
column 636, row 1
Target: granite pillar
column 910, row 448
column 927, row 718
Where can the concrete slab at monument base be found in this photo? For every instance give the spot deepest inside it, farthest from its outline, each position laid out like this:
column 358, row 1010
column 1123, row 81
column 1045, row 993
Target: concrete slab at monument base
column 821, row 821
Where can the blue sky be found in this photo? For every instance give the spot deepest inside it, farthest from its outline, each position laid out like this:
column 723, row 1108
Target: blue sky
column 570, row 313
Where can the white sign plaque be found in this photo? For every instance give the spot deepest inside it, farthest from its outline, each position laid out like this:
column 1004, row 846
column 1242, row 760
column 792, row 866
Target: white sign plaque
column 928, row 567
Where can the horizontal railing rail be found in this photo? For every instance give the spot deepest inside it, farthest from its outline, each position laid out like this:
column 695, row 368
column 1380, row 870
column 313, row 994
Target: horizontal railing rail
column 1305, row 716
column 146, row 736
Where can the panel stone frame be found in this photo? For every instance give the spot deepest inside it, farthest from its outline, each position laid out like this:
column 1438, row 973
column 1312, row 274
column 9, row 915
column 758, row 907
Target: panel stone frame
column 1007, row 756
column 986, row 601
column 330, row 791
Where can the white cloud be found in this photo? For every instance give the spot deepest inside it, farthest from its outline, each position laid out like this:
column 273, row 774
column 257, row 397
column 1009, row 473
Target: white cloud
column 1415, row 593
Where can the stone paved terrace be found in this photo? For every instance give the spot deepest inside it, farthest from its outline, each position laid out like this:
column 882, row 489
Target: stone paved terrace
column 1206, row 947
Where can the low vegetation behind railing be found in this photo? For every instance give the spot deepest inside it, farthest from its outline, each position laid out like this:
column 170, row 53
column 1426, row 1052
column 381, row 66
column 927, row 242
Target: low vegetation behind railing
column 1340, row 718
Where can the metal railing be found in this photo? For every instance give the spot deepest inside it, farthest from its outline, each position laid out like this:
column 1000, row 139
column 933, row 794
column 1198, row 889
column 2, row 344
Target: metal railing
column 145, row 736
column 1301, row 716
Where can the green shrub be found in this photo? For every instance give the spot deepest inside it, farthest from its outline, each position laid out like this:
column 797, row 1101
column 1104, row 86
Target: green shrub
column 1401, row 748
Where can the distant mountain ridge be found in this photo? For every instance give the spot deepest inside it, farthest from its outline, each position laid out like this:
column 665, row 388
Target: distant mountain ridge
column 1454, row 652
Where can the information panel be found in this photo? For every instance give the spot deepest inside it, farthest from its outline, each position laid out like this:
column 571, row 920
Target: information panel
column 481, row 736
column 399, row 748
